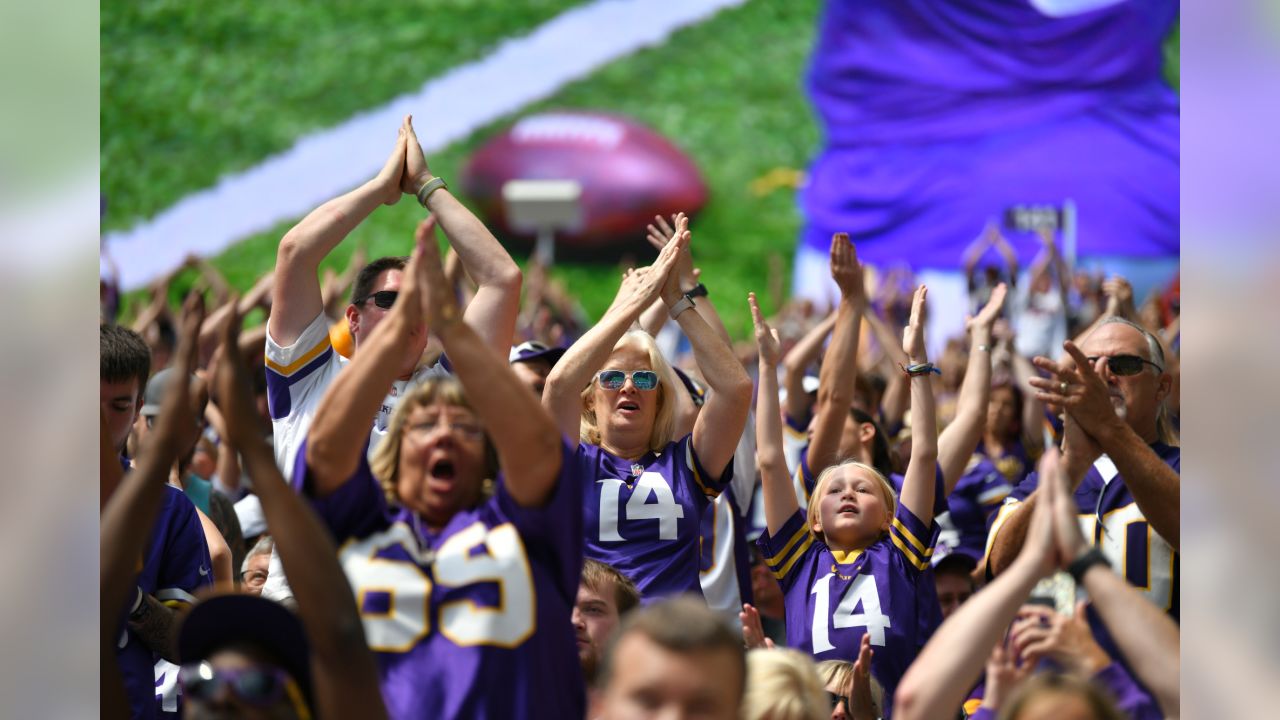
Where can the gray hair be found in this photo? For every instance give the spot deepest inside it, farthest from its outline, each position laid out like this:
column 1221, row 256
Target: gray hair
column 1155, row 353
column 264, row 546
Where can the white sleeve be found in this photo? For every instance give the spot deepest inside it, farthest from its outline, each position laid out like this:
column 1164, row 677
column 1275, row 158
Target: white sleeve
column 743, row 485
column 297, row 377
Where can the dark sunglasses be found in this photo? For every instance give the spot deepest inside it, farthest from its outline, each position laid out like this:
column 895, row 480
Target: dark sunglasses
column 383, row 298
column 1125, row 364
column 836, row 699
column 260, row 686
column 615, row 379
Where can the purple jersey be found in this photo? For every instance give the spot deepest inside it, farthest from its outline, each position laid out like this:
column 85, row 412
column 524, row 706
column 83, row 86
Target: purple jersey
column 972, row 506
column 643, row 517
column 175, row 564
column 833, row 598
column 471, row 621
column 1014, row 462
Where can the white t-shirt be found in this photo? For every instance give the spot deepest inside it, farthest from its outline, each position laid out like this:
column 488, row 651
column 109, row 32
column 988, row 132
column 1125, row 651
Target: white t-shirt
column 720, row 581
column 299, row 375
column 1040, row 321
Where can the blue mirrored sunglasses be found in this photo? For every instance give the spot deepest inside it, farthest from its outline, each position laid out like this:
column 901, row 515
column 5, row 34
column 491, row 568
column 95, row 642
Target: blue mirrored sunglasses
column 615, row 379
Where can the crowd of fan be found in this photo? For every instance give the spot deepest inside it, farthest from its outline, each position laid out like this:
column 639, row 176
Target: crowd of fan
column 442, row 500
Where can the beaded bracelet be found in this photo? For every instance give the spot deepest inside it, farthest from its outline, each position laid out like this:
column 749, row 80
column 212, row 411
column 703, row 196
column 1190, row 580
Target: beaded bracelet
column 920, row 369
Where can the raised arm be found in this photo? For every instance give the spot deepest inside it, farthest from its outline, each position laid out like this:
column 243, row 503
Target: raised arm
column 687, row 275
column 1007, row 252
column 951, row 662
column 779, row 497
column 296, row 297
column 129, row 514
column 960, row 439
column 346, row 676
column 973, row 252
column 562, row 396
column 836, row 378
column 342, row 421
column 492, row 312
column 796, row 363
column 917, row 494
column 524, row 435
column 724, row 416
column 897, row 392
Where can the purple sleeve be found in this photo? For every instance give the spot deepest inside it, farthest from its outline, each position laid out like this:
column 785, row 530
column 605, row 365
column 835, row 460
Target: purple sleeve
column 783, row 550
column 185, row 565
column 983, row 713
column 357, row 508
column 1025, row 488
column 913, row 539
column 553, row 533
column 1131, row 699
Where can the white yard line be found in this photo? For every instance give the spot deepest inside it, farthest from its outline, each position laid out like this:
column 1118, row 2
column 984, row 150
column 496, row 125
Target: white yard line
column 446, row 109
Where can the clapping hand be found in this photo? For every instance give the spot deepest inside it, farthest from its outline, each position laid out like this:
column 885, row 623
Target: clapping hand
column 913, row 333
column 846, row 270
column 766, row 337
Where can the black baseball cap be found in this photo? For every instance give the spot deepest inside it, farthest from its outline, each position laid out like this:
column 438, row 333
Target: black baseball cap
column 223, row 620
column 533, row 350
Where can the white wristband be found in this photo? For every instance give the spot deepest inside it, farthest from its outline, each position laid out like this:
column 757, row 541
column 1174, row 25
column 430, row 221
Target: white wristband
column 685, row 303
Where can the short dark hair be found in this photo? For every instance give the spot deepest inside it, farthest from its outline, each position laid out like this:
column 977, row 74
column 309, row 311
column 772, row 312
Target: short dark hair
column 682, row 624
column 123, row 356
column 369, row 274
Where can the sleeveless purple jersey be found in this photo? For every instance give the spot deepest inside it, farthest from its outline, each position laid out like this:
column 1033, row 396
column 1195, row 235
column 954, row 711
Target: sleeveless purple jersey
column 472, row 621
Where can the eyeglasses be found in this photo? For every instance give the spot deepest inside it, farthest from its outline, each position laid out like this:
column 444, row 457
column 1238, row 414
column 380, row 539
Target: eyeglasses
column 254, row 578
column 383, row 298
column 615, row 379
column 259, row 686
column 466, row 429
column 1125, row 365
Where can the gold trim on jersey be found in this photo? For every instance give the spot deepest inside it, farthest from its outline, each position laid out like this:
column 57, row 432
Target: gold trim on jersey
column 306, row 357
column 771, row 561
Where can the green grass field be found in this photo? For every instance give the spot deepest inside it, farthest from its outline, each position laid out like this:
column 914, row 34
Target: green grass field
column 727, row 91
column 193, row 91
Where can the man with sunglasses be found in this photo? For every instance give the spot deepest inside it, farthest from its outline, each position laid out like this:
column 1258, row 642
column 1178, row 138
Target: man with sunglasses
column 301, row 361
column 1120, row 457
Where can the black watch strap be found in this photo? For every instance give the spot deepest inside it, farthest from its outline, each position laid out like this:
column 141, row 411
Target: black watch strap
column 1081, row 565
column 696, row 291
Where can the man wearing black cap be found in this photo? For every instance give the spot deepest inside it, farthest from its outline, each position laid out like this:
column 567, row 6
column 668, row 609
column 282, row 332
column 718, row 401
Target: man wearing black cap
column 532, row 363
column 246, row 657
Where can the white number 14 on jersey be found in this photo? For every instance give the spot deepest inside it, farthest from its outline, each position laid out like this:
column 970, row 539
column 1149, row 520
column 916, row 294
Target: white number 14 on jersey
column 862, row 592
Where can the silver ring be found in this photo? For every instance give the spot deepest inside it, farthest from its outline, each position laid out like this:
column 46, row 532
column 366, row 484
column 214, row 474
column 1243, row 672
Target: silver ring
column 1063, row 387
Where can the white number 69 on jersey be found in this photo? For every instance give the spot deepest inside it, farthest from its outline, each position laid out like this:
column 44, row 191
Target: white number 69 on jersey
column 408, row 620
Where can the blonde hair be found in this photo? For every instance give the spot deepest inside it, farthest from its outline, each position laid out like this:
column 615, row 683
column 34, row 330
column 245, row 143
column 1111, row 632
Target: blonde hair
column 664, row 424
column 385, row 462
column 783, row 684
column 1101, row 704
column 824, row 479
column 834, row 672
